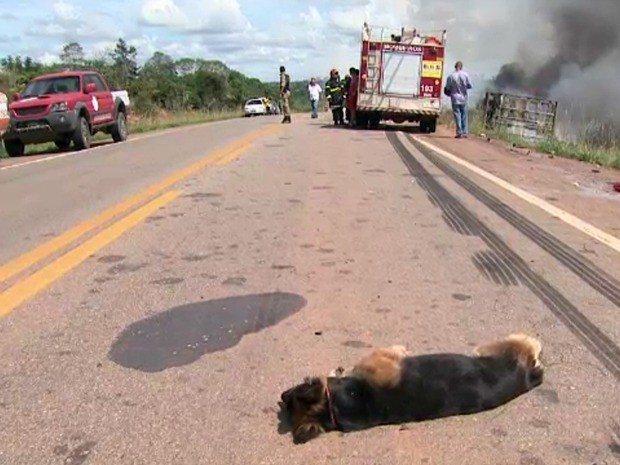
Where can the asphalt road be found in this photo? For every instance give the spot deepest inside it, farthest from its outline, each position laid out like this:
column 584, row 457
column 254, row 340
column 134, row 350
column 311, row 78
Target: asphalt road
column 157, row 296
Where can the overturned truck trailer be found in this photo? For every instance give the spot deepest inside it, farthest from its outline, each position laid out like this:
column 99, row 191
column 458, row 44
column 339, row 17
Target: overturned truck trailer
column 528, row 117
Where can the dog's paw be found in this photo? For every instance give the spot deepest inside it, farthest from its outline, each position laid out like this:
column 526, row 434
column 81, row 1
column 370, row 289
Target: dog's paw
column 337, row 373
column 399, row 350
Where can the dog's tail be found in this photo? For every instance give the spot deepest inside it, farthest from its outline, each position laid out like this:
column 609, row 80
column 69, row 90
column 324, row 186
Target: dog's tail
column 521, row 349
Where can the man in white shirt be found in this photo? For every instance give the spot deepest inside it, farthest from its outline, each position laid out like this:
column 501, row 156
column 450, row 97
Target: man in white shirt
column 314, row 89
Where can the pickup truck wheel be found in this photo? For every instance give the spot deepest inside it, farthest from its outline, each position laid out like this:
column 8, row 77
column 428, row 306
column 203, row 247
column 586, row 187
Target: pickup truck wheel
column 82, row 137
column 14, row 147
column 63, row 144
column 119, row 131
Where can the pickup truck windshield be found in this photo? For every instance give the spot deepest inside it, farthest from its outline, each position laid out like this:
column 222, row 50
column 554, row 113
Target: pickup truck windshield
column 49, row 86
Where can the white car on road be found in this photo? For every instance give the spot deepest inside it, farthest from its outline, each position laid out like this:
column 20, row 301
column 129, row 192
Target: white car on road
column 255, row 106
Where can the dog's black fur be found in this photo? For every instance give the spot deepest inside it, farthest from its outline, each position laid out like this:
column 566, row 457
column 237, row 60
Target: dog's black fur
column 425, row 387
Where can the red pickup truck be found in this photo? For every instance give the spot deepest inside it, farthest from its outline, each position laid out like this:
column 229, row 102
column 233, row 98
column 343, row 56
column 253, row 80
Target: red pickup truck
column 65, row 108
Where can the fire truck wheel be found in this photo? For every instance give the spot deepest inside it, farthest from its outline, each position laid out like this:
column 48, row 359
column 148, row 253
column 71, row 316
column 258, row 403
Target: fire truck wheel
column 428, row 127
column 375, row 119
column 361, row 120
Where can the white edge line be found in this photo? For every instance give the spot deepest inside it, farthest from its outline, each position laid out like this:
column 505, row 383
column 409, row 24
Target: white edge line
column 583, row 226
column 131, row 139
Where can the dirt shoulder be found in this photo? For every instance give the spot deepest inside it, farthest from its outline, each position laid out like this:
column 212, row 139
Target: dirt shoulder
column 582, row 189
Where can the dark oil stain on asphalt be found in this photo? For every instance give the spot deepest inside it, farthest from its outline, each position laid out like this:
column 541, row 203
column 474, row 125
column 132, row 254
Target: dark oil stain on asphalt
column 235, row 281
column 168, row 281
column 79, row 455
column 126, row 268
column 111, row 259
column 550, row 395
column 202, row 195
column 182, row 335
column 195, row 258
column 540, row 424
column 357, row 344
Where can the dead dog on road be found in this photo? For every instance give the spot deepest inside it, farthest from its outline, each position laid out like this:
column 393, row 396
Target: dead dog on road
column 390, row 386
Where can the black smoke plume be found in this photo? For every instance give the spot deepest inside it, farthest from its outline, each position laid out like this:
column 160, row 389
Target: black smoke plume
column 582, row 68
column 583, row 34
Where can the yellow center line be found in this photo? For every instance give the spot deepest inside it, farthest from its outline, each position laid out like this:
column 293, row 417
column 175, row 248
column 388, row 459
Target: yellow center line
column 46, row 249
column 35, row 283
column 232, row 155
column 237, row 153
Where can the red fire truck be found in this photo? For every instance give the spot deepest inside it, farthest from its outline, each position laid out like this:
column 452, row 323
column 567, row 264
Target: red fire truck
column 401, row 76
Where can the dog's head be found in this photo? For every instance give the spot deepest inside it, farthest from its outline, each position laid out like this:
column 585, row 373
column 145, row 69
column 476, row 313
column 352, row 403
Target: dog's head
column 306, row 405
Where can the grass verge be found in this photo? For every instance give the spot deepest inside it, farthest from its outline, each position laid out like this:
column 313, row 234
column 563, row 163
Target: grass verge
column 143, row 124
column 603, row 156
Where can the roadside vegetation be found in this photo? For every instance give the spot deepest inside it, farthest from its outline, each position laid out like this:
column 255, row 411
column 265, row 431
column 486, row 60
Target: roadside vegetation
column 603, row 150
column 164, row 92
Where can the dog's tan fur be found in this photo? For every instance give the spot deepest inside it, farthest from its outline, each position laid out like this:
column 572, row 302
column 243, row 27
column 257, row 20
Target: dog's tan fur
column 524, row 348
column 382, row 367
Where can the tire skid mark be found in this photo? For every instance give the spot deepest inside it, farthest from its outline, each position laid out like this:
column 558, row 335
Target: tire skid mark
column 586, row 270
column 597, row 342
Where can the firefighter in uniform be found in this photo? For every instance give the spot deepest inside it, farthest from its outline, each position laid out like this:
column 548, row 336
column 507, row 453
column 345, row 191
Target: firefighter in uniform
column 285, row 92
column 334, row 93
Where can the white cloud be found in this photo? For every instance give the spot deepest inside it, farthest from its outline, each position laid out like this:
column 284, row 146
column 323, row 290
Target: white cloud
column 309, row 36
column 64, row 10
column 195, row 16
column 48, row 58
column 312, row 17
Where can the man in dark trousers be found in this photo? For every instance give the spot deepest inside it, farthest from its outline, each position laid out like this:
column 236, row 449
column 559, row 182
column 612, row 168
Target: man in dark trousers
column 285, row 92
column 334, row 93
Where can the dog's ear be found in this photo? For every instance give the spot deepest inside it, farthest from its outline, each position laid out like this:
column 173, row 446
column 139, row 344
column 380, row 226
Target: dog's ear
column 311, row 392
column 286, row 396
column 306, row 431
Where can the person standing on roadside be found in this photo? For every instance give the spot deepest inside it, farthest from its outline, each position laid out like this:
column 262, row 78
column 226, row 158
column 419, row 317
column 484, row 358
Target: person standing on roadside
column 285, row 92
column 334, row 93
column 352, row 96
column 457, row 88
column 314, row 89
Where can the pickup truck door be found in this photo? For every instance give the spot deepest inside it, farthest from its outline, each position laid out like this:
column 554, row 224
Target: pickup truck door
column 101, row 101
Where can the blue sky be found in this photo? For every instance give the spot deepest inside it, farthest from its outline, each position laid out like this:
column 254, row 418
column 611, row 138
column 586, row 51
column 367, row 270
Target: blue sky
column 256, row 36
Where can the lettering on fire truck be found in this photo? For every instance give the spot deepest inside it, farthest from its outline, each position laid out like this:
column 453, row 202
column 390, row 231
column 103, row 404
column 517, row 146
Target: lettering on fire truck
column 404, row 48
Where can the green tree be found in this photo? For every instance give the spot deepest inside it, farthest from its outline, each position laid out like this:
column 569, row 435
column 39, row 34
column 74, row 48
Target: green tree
column 124, row 64
column 72, row 56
